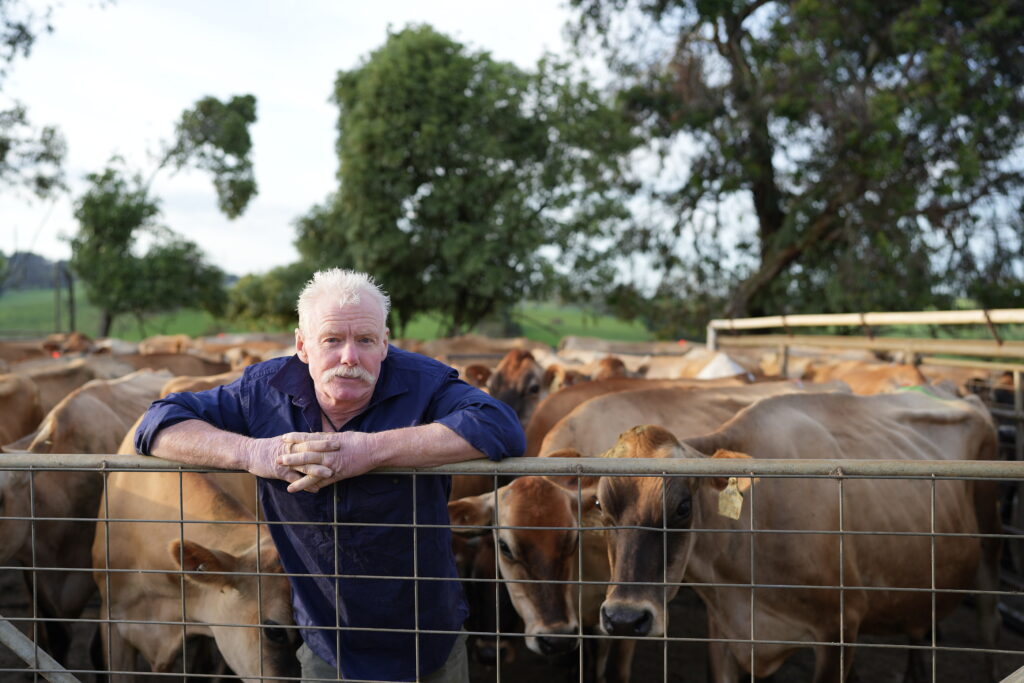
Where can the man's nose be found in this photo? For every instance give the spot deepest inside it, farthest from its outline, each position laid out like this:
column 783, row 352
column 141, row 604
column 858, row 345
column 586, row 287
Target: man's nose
column 348, row 354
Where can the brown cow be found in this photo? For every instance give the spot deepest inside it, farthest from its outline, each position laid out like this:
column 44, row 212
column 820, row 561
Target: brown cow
column 177, row 363
column 229, row 575
column 561, row 403
column 867, row 378
column 539, row 520
column 187, row 383
column 58, row 377
column 537, row 525
column 12, row 352
column 165, row 344
column 594, row 425
column 836, row 426
column 20, row 410
column 92, row 419
column 519, row 381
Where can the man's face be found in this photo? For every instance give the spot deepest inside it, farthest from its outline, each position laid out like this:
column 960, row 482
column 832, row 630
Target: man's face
column 344, row 347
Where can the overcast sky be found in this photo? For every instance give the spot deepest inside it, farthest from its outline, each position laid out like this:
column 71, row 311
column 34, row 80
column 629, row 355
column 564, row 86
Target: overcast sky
column 115, row 78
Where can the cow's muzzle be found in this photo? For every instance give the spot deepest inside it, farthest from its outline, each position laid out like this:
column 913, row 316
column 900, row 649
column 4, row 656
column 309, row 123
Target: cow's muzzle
column 488, row 652
column 626, row 620
column 557, row 643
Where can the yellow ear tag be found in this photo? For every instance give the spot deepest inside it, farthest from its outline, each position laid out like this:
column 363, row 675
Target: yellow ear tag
column 730, row 500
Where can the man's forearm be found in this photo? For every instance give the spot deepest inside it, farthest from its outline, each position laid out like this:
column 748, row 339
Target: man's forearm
column 199, row 443
column 422, row 446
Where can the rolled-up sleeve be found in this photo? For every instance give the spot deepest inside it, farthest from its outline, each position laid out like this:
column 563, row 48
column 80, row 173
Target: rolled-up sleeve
column 221, row 407
column 489, row 425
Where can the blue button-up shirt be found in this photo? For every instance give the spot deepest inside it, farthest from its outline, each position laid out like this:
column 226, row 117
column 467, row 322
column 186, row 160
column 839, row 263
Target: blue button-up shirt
column 360, row 532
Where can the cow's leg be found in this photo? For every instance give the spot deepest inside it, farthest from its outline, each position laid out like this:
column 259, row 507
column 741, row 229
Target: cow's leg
column 832, row 663
column 986, row 602
column 915, row 658
column 722, row 664
column 986, row 506
column 53, row 637
column 117, row 652
column 619, row 662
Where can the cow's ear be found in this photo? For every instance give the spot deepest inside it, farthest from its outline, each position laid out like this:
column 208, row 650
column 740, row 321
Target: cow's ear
column 571, row 482
column 742, row 483
column 472, row 515
column 550, row 375
column 201, row 564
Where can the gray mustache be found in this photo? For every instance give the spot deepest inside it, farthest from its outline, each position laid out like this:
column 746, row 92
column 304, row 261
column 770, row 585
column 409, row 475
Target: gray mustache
column 346, row 372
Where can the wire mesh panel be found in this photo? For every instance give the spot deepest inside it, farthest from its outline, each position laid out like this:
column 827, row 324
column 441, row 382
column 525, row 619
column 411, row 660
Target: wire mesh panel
column 818, row 579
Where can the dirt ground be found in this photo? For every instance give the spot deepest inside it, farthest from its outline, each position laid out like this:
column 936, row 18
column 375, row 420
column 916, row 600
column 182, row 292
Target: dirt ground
column 685, row 662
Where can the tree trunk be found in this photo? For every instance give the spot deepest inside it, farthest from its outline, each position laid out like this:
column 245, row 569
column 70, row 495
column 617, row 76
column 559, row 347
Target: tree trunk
column 106, row 321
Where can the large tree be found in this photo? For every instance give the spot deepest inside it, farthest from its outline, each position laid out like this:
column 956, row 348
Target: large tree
column 131, row 264
column 114, row 214
column 825, row 155
column 457, row 169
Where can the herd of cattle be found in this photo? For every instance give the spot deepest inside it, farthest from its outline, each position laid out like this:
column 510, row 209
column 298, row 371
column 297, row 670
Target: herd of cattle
column 598, row 556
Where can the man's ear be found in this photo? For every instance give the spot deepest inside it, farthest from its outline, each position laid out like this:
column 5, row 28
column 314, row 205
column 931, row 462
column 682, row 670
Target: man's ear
column 387, row 337
column 300, row 346
column 742, row 483
column 472, row 515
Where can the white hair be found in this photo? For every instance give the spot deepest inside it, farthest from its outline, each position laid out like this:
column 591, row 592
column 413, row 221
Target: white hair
column 345, row 287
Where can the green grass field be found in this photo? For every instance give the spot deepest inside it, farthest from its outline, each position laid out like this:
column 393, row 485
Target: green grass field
column 31, row 313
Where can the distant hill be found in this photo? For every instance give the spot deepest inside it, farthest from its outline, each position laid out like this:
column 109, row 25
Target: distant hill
column 26, row 270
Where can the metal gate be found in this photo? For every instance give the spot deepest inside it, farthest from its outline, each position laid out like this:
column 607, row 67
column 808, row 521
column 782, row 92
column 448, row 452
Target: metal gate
column 952, row 651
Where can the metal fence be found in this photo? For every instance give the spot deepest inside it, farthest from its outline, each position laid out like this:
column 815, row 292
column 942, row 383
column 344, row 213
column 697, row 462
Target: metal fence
column 953, row 650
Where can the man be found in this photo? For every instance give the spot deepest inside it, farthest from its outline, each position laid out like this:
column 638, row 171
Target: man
column 311, row 426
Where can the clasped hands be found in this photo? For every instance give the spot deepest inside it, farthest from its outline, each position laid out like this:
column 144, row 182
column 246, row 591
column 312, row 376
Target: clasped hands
column 310, row 461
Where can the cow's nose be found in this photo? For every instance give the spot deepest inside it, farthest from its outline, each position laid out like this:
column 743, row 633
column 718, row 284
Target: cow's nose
column 621, row 620
column 555, row 644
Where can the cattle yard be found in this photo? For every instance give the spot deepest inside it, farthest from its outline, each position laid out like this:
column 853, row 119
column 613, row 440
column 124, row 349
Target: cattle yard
column 889, row 562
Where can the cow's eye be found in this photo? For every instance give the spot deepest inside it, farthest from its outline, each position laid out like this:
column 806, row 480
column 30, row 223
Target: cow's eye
column 685, row 508
column 504, row 548
column 534, row 389
column 597, row 503
column 275, row 633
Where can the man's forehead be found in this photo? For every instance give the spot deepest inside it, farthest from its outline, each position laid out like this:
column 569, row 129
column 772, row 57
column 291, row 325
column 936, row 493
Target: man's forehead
column 365, row 313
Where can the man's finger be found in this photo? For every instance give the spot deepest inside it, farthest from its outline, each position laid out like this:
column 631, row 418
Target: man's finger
column 301, row 437
column 321, row 471
column 306, row 437
column 321, row 445
column 301, row 458
column 306, row 482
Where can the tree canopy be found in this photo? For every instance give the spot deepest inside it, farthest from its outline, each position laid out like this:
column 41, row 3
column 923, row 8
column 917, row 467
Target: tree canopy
column 113, row 215
column 128, row 262
column 30, row 157
column 258, row 300
column 457, row 170
column 875, row 148
column 214, row 136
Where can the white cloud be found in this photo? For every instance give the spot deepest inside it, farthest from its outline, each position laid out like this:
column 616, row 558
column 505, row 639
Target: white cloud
column 116, row 77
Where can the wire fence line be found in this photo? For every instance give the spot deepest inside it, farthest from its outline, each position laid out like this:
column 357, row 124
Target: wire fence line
column 931, row 473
